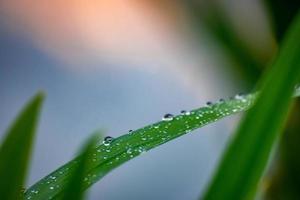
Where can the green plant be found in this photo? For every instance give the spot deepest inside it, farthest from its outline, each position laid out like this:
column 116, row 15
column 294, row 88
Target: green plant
column 250, row 149
column 241, row 167
column 15, row 150
column 113, row 153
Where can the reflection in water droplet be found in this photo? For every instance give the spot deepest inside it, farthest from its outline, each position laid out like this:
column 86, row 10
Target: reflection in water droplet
column 184, row 112
column 209, row 103
column 107, row 140
column 167, row 117
column 129, row 151
column 239, row 96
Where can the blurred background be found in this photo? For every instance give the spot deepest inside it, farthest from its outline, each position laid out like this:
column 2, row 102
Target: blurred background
column 121, row 64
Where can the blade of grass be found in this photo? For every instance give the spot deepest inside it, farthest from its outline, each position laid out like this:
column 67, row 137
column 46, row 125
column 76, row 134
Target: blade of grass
column 16, row 148
column 75, row 188
column 108, row 156
column 247, row 155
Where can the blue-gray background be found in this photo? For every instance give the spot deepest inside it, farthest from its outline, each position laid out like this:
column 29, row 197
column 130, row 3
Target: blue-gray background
column 117, row 96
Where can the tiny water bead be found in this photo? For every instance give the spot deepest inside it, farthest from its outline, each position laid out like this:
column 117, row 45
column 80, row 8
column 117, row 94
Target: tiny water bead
column 209, row 103
column 129, row 151
column 239, row 96
column 168, row 117
column 116, row 151
column 107, row 140
column 184, row 112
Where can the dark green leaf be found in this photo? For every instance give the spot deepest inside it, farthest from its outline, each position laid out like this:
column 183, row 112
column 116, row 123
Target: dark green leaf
column 15, row 150
column 246, row 157
column 75, row 188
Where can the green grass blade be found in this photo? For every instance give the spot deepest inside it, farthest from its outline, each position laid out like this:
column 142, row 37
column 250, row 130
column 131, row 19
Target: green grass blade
column 75, row 188
column 246, row 157
column 15, row 150
column 108, row 157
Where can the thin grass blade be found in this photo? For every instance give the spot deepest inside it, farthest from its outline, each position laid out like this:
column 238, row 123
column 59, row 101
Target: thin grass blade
column 247, row 155
column 110, row 155
column 16, row 148
column 75, row 188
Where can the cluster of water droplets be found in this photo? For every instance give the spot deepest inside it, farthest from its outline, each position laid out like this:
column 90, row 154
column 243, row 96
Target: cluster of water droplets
column 115, row 151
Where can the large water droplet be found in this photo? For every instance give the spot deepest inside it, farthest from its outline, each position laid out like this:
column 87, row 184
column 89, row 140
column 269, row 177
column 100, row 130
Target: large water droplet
column 107, row 140
column 168, row 117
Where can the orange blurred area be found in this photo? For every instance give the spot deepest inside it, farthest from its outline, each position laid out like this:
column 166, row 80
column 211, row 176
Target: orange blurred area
column 81, row 29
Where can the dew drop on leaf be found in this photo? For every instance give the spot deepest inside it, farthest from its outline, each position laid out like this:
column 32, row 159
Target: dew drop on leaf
column 184, row 112
column 209, row 103
column 107, row 140
column 168, row 117
column 239, row 96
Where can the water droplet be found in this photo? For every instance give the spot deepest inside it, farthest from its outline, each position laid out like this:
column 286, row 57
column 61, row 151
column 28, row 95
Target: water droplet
column 184, row 112
column 209, row 103
column 22, row 191
column 107, row 140
column 239, row 96
column 141, row 150
column 168, row 117
column 51, row 187
column 129, row 151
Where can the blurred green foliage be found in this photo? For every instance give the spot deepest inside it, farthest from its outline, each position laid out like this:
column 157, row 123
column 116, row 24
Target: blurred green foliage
column 15, row 150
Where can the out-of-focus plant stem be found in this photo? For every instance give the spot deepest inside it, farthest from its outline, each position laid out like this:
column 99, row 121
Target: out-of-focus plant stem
column 284, row 180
